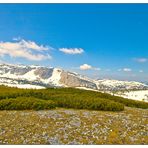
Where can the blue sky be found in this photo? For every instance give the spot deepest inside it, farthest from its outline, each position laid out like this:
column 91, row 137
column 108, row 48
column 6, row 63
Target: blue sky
column 98, row 40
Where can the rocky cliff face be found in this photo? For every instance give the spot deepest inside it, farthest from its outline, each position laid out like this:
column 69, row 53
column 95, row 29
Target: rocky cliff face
column 44, row 72
column 73, row 80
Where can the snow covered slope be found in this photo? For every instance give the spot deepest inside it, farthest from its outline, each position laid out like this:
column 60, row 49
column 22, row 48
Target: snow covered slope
column 141, row 95
column 115, row 85
column 34, row 75
column 18, row 75
column 41, row 77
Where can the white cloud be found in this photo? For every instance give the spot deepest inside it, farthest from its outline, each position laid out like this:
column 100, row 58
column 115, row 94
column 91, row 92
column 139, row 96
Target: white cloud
column 88, row 67
column 141, row 71
column 85, row 67
column 24, row 49
column 72, row 50
column 141, row 60
column 125, row 69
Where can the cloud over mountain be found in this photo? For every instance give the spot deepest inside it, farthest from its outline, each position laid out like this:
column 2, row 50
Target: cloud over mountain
column 88, row 67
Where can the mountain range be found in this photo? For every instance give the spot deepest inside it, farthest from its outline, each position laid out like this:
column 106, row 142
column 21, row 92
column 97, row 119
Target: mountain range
column 24, row 76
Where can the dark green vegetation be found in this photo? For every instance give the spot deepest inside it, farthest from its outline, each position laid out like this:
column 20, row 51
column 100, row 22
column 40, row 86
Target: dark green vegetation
column 22, row 103
column 20, row 99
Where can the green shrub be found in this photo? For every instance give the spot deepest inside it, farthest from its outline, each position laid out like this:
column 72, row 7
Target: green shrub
column 22, row 103
column 91, row 104
column 69, row 98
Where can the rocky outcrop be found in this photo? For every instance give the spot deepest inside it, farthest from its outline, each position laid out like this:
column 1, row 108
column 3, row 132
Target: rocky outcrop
column 72, row 80
column 44, row 72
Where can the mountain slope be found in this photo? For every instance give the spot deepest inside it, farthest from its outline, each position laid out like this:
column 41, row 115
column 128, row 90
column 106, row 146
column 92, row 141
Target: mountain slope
column 41, row 77
column 114, row 85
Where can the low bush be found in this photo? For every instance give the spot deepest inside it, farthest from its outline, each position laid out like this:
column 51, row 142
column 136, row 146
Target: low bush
column 91, row 104
column 69, row 98
column 22, row 103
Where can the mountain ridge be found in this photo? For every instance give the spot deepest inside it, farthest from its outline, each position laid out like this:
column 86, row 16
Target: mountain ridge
column 42, row 76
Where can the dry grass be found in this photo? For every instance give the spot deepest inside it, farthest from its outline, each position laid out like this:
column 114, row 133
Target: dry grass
column 68, row 126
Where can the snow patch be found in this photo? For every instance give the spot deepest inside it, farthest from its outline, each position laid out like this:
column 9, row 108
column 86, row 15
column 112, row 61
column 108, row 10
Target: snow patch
column 140, row 95
column 25, row 86
column 55, row 78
